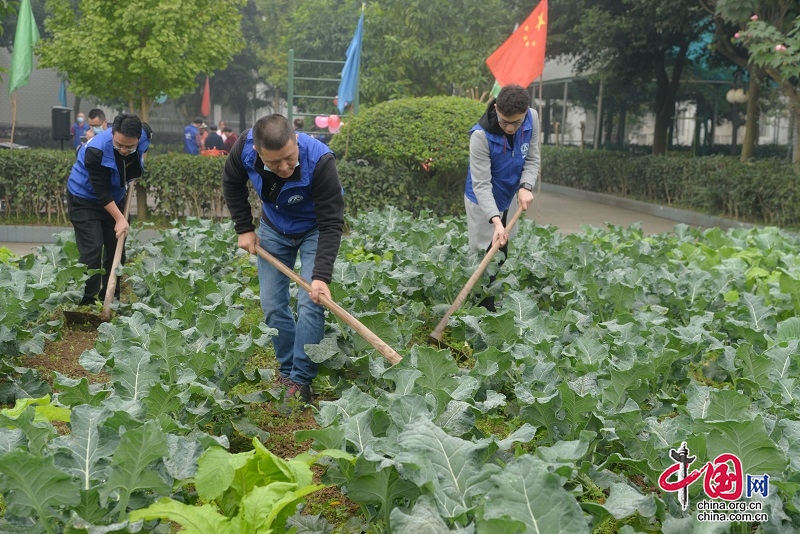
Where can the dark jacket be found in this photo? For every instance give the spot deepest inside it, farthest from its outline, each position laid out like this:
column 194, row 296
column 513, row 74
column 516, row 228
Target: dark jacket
column 311, row 199
column 214, row 140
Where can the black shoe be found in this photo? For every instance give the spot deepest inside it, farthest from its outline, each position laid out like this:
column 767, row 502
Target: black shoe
column 300, row 392
column 488, row 303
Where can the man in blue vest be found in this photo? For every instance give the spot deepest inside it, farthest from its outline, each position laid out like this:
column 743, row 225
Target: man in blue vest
column 191, row 144
column 96, row 191
column 503, row 167
column 302, row 212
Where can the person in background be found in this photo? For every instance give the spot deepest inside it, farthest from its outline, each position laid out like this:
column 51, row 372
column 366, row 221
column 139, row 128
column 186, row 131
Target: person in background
column 214, row 140
column 96, row 189
column 503, row 168
column 79, row 129
column 191, row 141
column 302, row 212
column 201, row 136
column 97, row 123
column 298, row 124
column 221, row 126
column 230, row 138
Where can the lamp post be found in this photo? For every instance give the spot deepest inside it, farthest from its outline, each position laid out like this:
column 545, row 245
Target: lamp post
column 735, row 96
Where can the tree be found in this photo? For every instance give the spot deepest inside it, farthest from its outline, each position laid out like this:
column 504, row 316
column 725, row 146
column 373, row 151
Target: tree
column 632, row 42
column 773, row 42
column 730, row 18
column 235, row 85
column 410, row 48
column 136, row 50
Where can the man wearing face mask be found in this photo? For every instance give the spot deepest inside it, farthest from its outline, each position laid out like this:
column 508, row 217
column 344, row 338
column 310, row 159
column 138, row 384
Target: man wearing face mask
column 302, row 212
column 79, row 129
column 97, row 122
column 96, row 191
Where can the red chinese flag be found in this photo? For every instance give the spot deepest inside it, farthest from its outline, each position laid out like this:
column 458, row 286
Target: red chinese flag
column 205, row 107
column 520, row 59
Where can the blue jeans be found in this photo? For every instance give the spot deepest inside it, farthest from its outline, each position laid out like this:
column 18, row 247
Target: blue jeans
column 309, row 327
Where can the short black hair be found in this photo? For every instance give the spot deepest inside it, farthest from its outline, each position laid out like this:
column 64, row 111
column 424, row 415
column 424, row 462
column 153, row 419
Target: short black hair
column 513, row 99
column 198, row 120
column 128, row 124
column 272, row 132
column 299, row 122
column 96, row 113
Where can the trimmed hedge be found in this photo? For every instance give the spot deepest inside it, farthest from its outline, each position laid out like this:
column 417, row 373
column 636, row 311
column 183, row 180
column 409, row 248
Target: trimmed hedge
column 422, row 142
column 761, row 191
column 32, row 183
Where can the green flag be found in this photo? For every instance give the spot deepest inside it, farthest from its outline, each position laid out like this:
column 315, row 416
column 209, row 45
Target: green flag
column 22, row 57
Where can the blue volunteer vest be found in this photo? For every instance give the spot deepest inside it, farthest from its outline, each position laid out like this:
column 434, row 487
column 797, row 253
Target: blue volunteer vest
column 506, row 163
column 293, row 211
column 190, row 140
column 79, row 183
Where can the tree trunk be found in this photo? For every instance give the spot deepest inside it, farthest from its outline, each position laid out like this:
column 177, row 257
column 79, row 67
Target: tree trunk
column 751, row 122
column 621, row 127
column 666, row 90
column 141, row 192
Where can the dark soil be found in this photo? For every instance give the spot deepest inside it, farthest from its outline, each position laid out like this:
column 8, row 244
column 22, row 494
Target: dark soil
column 63, row 356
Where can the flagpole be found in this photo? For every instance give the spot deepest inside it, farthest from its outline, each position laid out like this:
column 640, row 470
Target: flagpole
column 539, row 180
column 13, row 117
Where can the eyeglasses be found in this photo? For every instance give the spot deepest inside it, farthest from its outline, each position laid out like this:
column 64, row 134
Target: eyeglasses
column 502, row 122
column 125, row 148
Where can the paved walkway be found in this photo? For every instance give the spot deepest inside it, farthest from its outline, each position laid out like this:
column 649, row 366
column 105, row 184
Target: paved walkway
column 569, row 214
column 566, row 211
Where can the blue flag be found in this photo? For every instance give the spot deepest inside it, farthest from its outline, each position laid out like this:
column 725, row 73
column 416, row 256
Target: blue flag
column 348, row 88
column 62, row 94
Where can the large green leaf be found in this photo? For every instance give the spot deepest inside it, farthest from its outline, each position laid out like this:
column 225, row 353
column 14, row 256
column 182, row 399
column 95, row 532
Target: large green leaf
column 527, row 491
column 132, row 465
column 89, row 444
column 750, row 442
column 34, row 487
column 446, row 464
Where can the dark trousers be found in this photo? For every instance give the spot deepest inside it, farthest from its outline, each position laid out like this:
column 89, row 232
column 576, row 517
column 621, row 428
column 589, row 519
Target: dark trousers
column 96, row 241
column 488, row 301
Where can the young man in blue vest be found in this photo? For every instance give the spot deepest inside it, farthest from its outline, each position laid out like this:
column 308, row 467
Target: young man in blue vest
column 503, row 167
column 302, row 212
column 96, row 191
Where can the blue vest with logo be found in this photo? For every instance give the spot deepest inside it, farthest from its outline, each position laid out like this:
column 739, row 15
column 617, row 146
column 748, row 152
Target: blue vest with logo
column 506, row 163
column 293, row 211
column 79, row 183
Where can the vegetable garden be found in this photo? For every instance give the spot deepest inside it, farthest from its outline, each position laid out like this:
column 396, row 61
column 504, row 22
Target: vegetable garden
column 556, row 414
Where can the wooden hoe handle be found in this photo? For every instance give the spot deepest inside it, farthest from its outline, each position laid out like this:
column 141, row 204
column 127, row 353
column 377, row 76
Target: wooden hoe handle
column 439, row 330
column 111, row 288
column 386, row 351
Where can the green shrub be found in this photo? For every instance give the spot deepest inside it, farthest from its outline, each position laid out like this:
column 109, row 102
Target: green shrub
column 369, row 188
column 760, row 191
column 412, row 134
column 33, row 183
